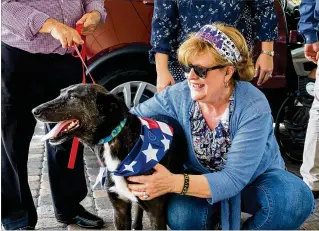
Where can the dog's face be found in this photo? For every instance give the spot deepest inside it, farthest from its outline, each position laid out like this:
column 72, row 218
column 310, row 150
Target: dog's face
column 86, row 111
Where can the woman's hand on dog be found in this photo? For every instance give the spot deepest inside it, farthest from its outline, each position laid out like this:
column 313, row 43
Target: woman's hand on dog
column 162, row 181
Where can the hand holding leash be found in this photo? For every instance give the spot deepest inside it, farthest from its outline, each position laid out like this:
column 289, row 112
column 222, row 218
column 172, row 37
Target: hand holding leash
column 90, row 22
column 65, row 34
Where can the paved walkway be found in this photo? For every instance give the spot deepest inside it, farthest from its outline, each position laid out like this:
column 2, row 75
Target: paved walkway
column 96, row 201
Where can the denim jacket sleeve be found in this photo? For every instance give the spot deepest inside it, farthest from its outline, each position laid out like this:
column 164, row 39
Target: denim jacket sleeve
column 248, row 146
column 309, row 20
column 164, row 27
column 265, row 20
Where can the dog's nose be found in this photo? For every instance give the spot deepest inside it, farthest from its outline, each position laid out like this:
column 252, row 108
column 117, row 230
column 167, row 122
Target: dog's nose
column 36, row 111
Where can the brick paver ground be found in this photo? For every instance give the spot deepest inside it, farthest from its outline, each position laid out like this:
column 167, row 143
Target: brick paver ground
column 96, row 201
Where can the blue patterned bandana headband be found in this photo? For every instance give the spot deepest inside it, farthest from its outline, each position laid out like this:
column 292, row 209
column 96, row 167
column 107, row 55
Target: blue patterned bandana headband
column 221, row 42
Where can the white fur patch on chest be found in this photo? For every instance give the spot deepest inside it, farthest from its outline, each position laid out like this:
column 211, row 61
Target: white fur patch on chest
column 120, row 183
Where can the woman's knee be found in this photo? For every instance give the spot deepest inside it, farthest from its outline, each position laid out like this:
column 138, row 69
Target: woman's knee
column 186, row 213
column 285, row 201
column 300, row 204
column 179, row 218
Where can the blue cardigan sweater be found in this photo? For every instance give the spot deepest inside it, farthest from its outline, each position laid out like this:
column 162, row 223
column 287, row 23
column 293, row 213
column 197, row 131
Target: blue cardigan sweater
column 254, row 149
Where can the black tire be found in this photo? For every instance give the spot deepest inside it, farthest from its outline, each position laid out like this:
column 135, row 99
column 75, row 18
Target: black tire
column 294, row 115
column 128, row 69
column 291, row 136
column 112, row 79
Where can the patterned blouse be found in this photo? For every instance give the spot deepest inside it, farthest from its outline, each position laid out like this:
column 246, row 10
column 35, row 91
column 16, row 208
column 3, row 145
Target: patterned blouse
column 211, row 146
column 173, row 20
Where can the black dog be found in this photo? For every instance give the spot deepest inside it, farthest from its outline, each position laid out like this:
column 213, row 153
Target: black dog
column 90, row 113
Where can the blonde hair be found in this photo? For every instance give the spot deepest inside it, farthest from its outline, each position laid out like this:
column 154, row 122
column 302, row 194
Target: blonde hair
column 195, row 46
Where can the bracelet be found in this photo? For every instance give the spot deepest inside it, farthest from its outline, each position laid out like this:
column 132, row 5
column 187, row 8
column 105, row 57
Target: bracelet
column 186, row 184
column 270, row 53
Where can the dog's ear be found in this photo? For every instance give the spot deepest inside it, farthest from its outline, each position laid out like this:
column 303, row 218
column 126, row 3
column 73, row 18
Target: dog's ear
column 104, row 100
column 109, row 102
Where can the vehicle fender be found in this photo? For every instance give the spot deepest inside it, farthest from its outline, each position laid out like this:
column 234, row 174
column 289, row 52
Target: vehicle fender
column 121, row 52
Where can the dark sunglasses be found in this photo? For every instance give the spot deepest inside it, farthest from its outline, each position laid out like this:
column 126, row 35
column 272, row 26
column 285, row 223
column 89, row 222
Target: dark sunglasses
column 200, row 71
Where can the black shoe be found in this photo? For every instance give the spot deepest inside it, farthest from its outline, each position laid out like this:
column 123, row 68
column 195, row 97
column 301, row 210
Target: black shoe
column 315, row 194
column 83, row 219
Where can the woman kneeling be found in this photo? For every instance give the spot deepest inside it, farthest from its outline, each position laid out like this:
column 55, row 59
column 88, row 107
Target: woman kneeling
column 234, row 163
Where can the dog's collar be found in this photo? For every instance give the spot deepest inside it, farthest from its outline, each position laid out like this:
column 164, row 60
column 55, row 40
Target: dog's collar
column 114, row 133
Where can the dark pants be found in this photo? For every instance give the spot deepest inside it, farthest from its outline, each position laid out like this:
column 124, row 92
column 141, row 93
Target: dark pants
column 28, row 80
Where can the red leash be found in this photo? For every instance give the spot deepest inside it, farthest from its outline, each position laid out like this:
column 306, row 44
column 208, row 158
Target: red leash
column 82, row 55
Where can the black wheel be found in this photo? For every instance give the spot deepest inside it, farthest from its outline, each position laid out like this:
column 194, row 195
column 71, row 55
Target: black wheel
column 290, row 138
column 134, row 82
column 292, row 120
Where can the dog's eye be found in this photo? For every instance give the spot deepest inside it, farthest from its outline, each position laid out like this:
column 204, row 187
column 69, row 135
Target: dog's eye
column 73, row 97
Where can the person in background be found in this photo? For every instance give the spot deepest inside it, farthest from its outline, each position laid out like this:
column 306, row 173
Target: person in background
column 173, row 20
column 234, row 163
column 309, row 29
column 36, row 63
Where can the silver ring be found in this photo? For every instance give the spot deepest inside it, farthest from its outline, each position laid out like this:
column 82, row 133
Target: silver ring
column 270, row 75
column 145, row 196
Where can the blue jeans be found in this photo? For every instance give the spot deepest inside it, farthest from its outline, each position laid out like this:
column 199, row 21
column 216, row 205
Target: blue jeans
column 276, row 200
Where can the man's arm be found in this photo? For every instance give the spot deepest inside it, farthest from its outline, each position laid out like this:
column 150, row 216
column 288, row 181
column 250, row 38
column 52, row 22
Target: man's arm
column 21, row 19
column 98, row 5
column 309, row 28
column 309, row 24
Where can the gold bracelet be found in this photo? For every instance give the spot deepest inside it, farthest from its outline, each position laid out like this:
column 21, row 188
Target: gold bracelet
column 186, row 184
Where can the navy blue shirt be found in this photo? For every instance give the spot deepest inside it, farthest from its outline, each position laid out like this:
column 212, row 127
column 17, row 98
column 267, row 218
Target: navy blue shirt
column 173, row 20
